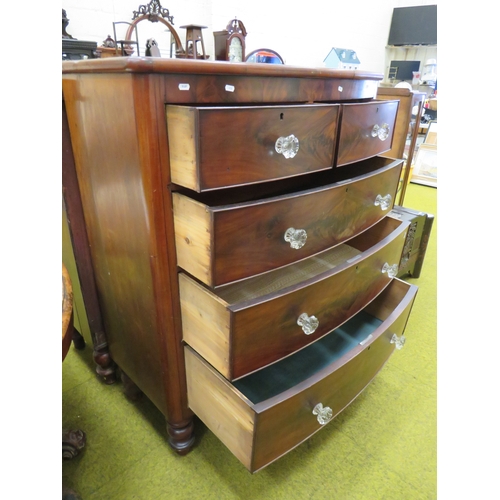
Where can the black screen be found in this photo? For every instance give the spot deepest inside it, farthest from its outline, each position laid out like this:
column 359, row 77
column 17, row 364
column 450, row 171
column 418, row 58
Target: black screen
column 405, row 69
column 414, row 26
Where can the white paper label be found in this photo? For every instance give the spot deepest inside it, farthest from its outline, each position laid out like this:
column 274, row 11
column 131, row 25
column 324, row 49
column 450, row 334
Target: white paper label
column 229, row 88
column 184, row 86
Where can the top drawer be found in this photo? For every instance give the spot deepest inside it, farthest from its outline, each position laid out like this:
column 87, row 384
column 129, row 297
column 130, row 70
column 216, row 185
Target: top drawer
column 215, row 147
column 367, row 130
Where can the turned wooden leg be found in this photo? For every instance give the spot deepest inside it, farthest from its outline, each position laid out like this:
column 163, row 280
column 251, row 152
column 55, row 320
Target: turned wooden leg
column 105, row 368
column 131, row 390
column 72, row 443
column 78, row 340
column 181, row 436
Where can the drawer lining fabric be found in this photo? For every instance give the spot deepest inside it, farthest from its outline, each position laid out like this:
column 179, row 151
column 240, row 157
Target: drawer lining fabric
column 289, row 372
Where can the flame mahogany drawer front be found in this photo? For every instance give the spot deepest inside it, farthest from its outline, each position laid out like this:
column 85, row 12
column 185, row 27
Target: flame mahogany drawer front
column 367, row 130
column 220, row 244
column 263, row 416
column 212, row 147
column 249, row 325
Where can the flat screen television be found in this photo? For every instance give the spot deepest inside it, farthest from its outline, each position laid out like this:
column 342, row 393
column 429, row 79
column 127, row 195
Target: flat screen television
column 414, row 26
column 403, row 70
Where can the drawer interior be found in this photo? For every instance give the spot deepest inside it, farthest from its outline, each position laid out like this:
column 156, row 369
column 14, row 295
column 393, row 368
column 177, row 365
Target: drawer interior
column 314, row 267
column 266, row 190
column 336, row 347
column 289, row 372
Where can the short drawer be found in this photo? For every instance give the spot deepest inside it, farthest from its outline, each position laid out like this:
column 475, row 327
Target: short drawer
column 265, row 415
column 220, row 244
column 216, row 147
column 251, row 324
column 366, row 130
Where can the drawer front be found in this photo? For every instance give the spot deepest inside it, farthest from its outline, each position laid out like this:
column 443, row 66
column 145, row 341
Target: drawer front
column 367, row 130
column 370, row 198
column 220, row 245
column 260, row 432
column 212, row 148
column 239, row 338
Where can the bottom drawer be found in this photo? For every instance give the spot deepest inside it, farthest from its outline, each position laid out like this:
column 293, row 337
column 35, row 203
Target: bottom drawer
column 264, row 415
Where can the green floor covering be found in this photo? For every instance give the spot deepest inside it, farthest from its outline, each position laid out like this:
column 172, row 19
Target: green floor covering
column 382, row 447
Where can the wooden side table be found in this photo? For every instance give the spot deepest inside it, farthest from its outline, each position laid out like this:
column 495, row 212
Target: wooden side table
column 73, row 440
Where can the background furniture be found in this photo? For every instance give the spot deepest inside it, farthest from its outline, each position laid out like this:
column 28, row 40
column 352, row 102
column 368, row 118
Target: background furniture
column 77, row 249
column 264, row 56
column 72, row 440
column 185, row 195
column 407, row 124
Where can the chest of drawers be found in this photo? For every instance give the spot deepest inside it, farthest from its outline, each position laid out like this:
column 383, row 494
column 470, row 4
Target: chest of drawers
column 241, row 237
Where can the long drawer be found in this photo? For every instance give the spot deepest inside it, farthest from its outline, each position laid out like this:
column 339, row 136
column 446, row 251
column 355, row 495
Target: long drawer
column 366, row 130
column 220, row 244
column 263, row 416
column 253, row 323
column 216, row 147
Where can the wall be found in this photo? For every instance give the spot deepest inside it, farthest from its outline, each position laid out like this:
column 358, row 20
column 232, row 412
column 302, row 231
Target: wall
column 302, row 33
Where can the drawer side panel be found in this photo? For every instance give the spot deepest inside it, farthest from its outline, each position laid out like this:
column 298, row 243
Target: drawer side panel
column 182, row 126
column 219, row 407
column 205, row 324
column 192, row 225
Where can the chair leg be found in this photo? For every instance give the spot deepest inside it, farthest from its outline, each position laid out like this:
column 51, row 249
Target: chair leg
column 78, row 340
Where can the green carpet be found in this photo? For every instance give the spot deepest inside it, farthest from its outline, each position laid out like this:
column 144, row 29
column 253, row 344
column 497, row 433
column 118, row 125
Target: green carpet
column 384, row 446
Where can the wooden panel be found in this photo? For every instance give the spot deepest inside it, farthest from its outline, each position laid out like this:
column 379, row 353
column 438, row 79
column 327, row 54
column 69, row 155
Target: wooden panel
column 356, row 141
column 120, row 215
column 220, row 407
column 237, row 145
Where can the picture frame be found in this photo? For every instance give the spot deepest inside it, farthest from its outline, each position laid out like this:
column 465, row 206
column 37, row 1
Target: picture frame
column 425, row 168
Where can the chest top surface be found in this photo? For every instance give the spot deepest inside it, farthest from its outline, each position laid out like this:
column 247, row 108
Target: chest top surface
column 224, row 82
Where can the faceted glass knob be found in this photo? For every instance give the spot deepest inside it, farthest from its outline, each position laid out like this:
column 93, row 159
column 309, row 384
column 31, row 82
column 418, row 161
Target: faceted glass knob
column 296, row 237
column 392, row 271
column 308, row 323
column 324, row 414
column 399, row 341
column 287, row 146
column 384, row 202
column 381, row 131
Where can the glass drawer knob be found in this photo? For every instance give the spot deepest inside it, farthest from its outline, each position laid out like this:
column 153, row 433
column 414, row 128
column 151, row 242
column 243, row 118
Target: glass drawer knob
column 384, row 202
column 399, row 341
column 381, row 131
column 392, row 271
column 296, row 237
column 324, row 414
column 308, row 323
column 287, row 146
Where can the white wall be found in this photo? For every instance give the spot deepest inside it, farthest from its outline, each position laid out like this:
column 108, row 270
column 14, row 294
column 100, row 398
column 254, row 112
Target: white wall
column 303, row 33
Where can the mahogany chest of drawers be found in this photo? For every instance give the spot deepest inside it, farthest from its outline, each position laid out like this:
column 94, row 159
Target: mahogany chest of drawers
column 241, row 238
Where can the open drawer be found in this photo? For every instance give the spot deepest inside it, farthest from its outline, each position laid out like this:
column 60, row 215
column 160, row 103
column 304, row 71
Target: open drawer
column 220, row 243
column 217, row 147
column 253, row 323
column 266, row 414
